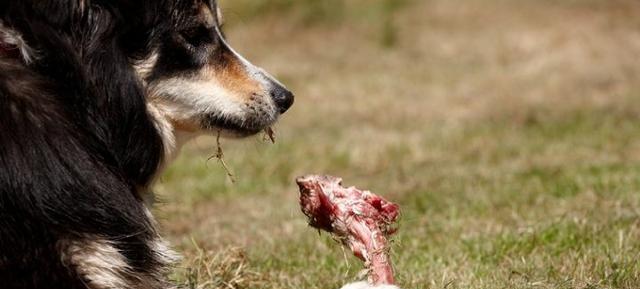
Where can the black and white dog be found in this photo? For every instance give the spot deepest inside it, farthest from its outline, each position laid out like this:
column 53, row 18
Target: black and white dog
column 95, row 97
column 93, row 94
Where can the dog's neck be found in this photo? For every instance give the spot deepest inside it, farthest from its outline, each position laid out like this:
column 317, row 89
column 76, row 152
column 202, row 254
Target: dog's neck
column 172, row 141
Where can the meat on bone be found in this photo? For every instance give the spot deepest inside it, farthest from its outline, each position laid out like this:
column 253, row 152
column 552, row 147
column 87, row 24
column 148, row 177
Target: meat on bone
column 361, row 220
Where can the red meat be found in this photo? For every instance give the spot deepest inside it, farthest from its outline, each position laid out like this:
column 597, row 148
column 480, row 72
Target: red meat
column 361, row 220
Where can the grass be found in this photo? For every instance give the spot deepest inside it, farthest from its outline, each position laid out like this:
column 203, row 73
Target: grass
column 508, row 131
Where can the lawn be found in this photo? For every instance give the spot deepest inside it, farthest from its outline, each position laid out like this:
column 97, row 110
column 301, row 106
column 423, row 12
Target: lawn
column 507, row 130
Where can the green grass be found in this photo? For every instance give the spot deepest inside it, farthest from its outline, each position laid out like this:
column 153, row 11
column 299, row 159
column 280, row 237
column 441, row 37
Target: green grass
column 508, row 131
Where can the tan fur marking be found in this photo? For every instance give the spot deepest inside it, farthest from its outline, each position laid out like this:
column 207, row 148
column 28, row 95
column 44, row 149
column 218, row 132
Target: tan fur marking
column 234, row 78
column 144, row 67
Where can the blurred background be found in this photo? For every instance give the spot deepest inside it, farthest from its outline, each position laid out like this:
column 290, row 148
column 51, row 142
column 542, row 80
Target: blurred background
column 508, row 131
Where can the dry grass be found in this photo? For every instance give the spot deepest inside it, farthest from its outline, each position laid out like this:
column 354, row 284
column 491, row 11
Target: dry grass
column 227, row 268
column 508, row 130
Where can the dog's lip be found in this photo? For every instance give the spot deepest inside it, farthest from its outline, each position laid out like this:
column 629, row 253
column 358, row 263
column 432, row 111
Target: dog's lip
column 213, row 123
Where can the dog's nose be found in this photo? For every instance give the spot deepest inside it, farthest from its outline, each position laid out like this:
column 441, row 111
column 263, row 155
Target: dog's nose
column 282, row 97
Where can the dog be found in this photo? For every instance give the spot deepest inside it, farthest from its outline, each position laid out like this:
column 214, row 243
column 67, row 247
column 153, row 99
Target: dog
column 96, row 98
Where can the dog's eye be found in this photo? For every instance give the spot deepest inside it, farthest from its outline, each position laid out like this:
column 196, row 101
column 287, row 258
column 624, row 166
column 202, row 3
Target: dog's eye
column 198, row 36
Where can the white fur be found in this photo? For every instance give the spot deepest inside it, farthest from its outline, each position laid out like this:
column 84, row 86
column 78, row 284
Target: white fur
column 365, row 285
column 189, row 98
column 102, row 266
column 164, row 252
column 159, row 246
column 98, row 262
column 172, row 139
column 165, row 129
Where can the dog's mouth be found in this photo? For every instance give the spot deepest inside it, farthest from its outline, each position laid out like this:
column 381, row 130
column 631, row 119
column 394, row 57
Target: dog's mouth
column 235, row 127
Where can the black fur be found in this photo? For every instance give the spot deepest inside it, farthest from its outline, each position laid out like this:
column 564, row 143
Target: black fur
column 77, row 146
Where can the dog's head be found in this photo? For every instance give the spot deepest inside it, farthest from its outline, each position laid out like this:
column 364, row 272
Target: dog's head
column 192, row 78
column 200, row 84
column 128, row 74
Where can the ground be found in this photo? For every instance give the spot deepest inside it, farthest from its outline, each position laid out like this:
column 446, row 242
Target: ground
column 507, row 130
